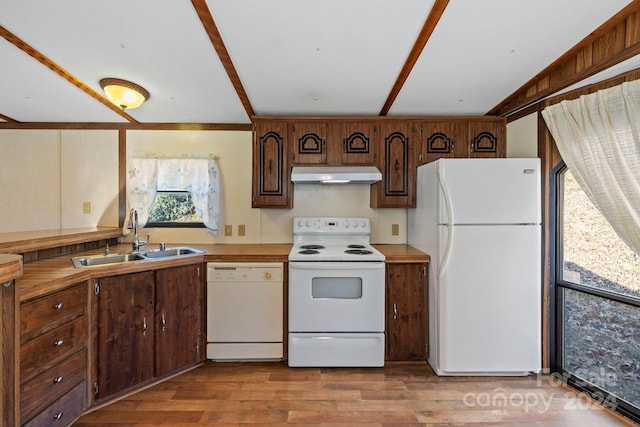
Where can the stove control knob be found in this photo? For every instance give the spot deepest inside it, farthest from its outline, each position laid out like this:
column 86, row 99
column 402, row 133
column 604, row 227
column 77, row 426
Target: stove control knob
column 300, row 223
column 362, row 224
column 346, row 224
column 355, row 224
column 308, row 223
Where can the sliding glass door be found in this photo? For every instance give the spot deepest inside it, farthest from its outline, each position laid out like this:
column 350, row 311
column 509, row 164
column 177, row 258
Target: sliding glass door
column 597, row 303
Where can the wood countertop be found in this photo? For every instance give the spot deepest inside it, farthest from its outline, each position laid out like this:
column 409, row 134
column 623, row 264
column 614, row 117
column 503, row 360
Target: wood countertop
column 10, row 267
column 50, row 275
column 397, row 254
column 25, row 241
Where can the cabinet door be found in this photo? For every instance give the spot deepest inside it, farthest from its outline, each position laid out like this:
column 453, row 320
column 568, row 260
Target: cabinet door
column 397, row 160
column 271, row 183
column 351, row 143
column 178, row 318
column 443, row 139
column 406, row 326
column 487, row 138
column 125, row 331
column 308, row 142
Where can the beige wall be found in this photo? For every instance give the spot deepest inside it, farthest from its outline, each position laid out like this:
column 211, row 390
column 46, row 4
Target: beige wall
column 46, row 176
column 522, row 137
column 262, row 225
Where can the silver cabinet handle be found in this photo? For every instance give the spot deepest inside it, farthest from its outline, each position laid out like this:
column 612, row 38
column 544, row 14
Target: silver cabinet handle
column 57, row 416
column 58, row 343
column 58, row 306
column 57, row 380
column 144, row 326
column 395, row 312
column 164, row 322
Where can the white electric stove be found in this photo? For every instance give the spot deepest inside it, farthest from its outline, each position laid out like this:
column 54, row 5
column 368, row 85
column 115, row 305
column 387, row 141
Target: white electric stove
column 336, row 294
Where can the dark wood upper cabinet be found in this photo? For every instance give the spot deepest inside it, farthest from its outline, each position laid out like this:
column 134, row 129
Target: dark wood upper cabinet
column 396, row 154
column 487, row 138
column 271, row 184
column 353, row 143
column 463, row 138
column 308, row 142
column 396, row 145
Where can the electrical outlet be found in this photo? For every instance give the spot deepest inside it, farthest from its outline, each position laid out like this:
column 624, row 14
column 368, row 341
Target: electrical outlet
column 86, row 207
column 228, row 230
column 395, row 229
column 240, row 229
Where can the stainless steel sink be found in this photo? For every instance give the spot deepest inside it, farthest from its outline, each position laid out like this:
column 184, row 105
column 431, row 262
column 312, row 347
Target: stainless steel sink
column 170, row 252
column 149, row 255
column 95, row 260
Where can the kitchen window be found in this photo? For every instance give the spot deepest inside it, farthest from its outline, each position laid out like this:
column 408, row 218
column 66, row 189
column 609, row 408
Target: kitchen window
column 172, row 188
column 597, row 293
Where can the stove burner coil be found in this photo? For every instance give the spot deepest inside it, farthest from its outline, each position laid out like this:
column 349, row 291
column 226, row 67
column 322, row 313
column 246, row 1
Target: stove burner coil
column 311, row 247
column 356, row 246
column 358, row 252
column 309, row 252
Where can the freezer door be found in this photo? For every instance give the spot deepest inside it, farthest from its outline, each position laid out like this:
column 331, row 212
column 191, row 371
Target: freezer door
column 489, row 191
column 489, row 302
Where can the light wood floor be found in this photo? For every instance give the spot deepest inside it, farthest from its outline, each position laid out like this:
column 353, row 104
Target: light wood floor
column 399, row 394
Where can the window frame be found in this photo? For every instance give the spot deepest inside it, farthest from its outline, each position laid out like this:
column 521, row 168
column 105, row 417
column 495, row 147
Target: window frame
column 557, row 284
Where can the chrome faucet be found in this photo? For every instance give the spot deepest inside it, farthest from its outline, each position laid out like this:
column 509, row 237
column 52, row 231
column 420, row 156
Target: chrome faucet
column 133, row 223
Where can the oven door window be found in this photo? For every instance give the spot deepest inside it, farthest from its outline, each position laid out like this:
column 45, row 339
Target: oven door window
column 336, row 287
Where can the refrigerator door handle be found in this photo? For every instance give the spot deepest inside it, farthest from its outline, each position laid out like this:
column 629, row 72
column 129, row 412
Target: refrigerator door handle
column 447, row 202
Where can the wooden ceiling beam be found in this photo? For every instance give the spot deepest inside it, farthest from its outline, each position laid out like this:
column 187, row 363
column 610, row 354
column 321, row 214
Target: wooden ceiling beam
column 614, row 41
column 218, row 44
column 423, row 37
column 35, row 54
column 7, row 119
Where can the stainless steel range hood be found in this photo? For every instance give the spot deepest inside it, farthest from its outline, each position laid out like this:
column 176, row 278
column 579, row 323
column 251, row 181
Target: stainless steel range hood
column 335, row 174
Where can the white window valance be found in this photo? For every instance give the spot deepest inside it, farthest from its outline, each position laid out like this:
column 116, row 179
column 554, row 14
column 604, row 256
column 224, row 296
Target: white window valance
column 200, row 176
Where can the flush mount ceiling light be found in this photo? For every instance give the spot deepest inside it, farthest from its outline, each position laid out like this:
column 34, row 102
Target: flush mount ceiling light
column 123, row 93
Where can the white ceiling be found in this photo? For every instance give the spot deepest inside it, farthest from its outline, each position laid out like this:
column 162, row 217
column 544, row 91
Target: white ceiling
column 295, row 57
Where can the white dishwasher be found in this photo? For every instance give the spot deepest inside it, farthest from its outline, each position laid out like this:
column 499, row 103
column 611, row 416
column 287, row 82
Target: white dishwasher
column 244, row 311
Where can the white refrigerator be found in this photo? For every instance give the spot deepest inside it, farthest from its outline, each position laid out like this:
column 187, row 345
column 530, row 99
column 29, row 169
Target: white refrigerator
column 480, row 221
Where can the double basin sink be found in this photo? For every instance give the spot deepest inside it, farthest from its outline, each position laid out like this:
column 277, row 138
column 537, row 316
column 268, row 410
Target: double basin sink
column 122, row 258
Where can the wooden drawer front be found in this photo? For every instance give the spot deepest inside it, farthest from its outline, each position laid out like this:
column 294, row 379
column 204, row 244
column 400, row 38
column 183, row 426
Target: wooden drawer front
column 45, row 312
column 50, row 385
column 43, row 352
column 63, row 411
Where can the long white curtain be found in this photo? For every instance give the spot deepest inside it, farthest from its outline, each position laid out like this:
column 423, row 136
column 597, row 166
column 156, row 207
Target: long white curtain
column 598, row 136
column 198, row 176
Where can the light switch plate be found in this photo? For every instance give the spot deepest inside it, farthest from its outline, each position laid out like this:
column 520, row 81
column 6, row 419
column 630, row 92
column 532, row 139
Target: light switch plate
column 241, row 229
column 395, row 229
column 228, row 230
column 86, row 207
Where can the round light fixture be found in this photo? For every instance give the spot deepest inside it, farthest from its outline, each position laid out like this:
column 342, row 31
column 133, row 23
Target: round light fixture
column 123, row 93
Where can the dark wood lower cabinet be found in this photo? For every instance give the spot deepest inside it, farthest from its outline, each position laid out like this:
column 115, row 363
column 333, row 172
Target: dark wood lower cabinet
column 125, row 332
column 149, row 324
column 178, row 318
column 406, row 311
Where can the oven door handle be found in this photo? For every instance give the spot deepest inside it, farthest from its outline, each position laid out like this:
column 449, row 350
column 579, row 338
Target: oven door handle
column 336, row 265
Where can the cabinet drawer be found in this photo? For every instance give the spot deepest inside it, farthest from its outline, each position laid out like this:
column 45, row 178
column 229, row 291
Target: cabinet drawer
column 43, row 313
column 64, row 410
column 43, row 352
column 39, row 392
